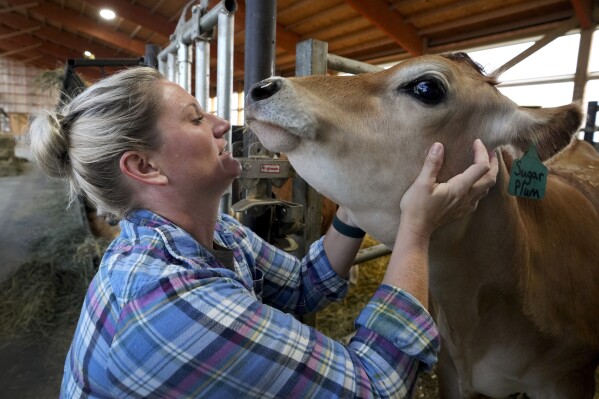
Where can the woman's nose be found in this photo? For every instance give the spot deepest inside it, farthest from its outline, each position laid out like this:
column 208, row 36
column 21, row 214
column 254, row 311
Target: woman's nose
column 220, row 127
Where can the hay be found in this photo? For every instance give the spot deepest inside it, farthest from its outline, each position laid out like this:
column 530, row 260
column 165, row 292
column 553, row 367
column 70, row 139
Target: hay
column 10, row 165
column 47, row 291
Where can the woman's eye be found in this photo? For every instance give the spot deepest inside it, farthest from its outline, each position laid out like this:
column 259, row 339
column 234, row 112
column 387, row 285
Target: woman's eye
column 197, row 121
column 429, row 91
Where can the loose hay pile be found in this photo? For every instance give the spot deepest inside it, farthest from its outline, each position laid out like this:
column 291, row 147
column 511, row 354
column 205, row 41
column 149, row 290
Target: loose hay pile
column 47, row 291
column 10, row 165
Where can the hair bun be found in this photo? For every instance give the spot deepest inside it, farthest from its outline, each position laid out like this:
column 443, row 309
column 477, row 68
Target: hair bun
column 50, row 143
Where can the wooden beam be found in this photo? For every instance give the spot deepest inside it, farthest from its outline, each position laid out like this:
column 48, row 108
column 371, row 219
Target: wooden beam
column 545, row 40
column 334, row 29
column 390, row 22
column 582, row 66
column 324, row 14
column 48, row 34
column 47, row 48
column 139, row 15
column 492, row 38
column 583, row 10
column 8, row 35
column 507, row 30
column 16, row 8
column 33, row 58
column 20, row 50
column 499, row 13
column 437, row 11
column 86, row 25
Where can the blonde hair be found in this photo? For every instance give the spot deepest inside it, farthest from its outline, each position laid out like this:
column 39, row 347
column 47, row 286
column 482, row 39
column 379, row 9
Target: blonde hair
column 83, row 141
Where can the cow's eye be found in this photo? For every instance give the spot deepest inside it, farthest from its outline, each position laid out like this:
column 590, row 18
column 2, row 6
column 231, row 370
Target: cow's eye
column 428, row 90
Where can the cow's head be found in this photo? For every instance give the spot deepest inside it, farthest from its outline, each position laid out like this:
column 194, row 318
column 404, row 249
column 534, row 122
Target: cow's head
column 361, row 140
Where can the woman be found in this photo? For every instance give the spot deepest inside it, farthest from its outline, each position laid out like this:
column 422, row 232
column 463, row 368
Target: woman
column 187, row 302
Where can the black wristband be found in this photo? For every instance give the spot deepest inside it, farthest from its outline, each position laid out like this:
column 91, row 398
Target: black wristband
column 347, row 230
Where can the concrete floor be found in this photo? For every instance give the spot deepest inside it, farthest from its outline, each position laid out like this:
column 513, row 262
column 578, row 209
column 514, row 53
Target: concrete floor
column 31, row 367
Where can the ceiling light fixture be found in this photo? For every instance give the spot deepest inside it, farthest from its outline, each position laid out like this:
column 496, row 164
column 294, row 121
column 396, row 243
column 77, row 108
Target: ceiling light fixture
column 89, row 55
column 107, row 14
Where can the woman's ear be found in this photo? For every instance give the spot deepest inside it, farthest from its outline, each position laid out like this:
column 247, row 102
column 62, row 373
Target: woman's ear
column 140, row 167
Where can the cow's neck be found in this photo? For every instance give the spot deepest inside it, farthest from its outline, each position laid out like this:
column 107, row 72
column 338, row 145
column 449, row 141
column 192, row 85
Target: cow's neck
column 476, row 253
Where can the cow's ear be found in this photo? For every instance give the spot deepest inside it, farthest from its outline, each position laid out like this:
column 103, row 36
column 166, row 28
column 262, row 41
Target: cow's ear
column 550, row 129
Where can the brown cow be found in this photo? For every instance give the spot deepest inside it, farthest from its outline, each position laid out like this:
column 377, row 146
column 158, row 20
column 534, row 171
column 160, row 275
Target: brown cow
column 517, row 282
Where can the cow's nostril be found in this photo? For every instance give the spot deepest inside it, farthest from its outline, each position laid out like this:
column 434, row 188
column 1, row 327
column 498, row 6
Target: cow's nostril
column 265, row 89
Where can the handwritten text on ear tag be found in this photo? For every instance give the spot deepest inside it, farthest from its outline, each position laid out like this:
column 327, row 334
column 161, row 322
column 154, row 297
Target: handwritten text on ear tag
column 528, row 178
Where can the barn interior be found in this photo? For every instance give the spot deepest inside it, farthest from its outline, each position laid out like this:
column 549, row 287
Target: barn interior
column 51, row 49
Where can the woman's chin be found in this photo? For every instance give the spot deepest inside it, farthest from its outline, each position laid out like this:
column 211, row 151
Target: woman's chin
column 230, row 164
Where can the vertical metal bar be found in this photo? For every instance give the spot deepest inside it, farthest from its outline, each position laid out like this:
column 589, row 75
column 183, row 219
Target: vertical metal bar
column 171, row 68
column 259, row 64
column 224, row 81
column 151, row 55
column 589, row 129
column 184, row 66
column 224, row 69
column 202, row 71
column 162, row 66
column 260, row 35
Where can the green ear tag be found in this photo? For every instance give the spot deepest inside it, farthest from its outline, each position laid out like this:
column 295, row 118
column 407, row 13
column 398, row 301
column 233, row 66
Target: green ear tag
column 529, row 176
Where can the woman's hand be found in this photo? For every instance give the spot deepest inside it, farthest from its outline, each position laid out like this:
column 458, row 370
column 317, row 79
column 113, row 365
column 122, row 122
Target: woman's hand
column 428, row 204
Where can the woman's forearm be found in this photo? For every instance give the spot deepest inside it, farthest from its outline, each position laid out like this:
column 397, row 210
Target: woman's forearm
column 341, row 249
column 408, row 266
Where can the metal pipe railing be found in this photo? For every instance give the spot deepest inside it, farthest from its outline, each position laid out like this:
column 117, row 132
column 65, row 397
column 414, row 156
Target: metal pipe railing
column 175, row 61
column 184, row 66
column 202, row 72
column 348, row 65
column 224, row 81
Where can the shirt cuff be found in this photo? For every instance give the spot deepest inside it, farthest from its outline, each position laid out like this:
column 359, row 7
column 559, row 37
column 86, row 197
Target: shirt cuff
column 403, row 321
column 323, row 275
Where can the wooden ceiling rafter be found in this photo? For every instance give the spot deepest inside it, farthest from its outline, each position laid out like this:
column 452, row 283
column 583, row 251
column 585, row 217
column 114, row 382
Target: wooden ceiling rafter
column 31, row 59
column 19, row 49
column 8, row 35
column 341, row 28
column 539, row 22
column 87, row 26
column 138, row 15
column 359, row 35
column 50, row 49
column 50, row 34
column 404, row 3
column 367, row 30
column 493, row 39
column 437, row 11
column 17, row 8
column 583, row 10
column 325, row 14
column 486, row 16
column 390, row 22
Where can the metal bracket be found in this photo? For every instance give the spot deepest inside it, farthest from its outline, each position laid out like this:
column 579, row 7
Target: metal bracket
column 259, row 170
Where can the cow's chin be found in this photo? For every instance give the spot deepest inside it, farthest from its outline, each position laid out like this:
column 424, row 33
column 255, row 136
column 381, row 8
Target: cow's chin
column 274, row 137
